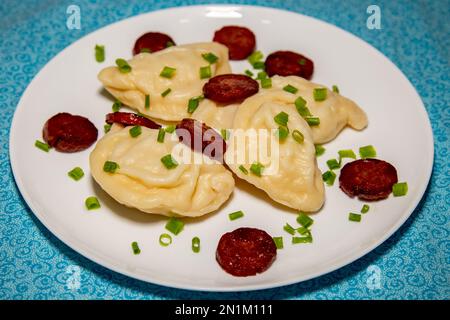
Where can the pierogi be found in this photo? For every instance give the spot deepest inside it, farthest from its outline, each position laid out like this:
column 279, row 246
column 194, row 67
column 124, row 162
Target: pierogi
column 142, row 181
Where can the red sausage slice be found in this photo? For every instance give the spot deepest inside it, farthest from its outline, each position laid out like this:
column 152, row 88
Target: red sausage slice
column 152, row 41
column 368, row 179
column 246, row 252
column 240, row 41
column 288, row 63
column 131, row 119
column 230, row 88
column 199, row 137
column 69, row 133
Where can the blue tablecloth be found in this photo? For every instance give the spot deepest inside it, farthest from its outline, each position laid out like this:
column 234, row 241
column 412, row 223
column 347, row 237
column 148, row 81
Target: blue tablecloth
column 413, row 264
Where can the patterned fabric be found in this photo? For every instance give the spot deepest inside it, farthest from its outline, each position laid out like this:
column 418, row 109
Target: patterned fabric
column 413, row 264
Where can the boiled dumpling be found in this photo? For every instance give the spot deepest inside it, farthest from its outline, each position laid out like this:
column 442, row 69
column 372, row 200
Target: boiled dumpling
column 335, row 112
column 142, row 181
column 288, row 167
column 184, row 83
column 214, row 116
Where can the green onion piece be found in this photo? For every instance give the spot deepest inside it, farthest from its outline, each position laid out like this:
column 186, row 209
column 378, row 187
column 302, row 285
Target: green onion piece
column 193, row 103
column 167, row 72
column 346, row 154
column 169, row 162
column 302, row 61
column 365, row 208
column 257, row 168
column 261, row 75
column 266, row 83
column 196, row 244
column 333, row 164
column 400, row 189
column 320, row 94
column 205, row 72
column 92, row 203
column 300, row 105
column 135, row 247
column 242, row 168
column 329, row 177
column 320, row 150
column 278, row 242
column 367, row 152
column 335, row 89
column 107, row 127
column 303, row 231
column 99, row 53
column 289, row 229
column 290, row 89
column 298, row 136
column 210, row 57
column 116, row 106
column 146, row 50
column 255, row 57
column 249, row 73
column 135, row 131
column 123, row 66
column 161, row 134
column 76, row 173
column 304, row 220
column 174, row 225
column 147, row 101
column 312, row 121
column 110, row 166
column 354, row 217
column 282, row 133
column 165, row 239
column 169, row 44
column 43, row 146
column 259, row 65
column 225, row 134
column 235, row 215
column 297, row 240
column 282, row 118
column 166, row 92
column 170, row 129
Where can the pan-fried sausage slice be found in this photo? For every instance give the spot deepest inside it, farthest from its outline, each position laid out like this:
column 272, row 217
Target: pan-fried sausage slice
column 240, row 41
column 230, row 88
column 288, row 63
column 152, row 42
column 131, row 119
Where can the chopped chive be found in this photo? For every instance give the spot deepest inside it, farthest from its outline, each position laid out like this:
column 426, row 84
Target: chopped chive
column 289, row 229
column 193, row 103
column 135, row 131
column 249, row 73
column 261, row 75
column 210, row 57
column 174, row 225
column 170, row 129
column 225, row 134
column 135, row 247
column 116, row 106
column 167, row 72
column 335, row 88
column 110, row 166
column 43, row 146
column 333, row 164
column 297, row 240
column 346, row 154
column 304, row 220
column 161, row 134
column 302, row 109
column 235, row 215
column 354, row 217
column 92, row 203
column 303, row 231
column 257, row 168
column 169, row 44
column 165, row 239
column 107, row 127
column 169, row 162
column 320, row 94
column 278, row 242
column 76, row 173
column 329, row 177
column 255, row 57
column 147, row 101
column 242, row 168
column 298, row 136
column 166, row 92
column 302, row 61
column 99, row 53
column 290, row 89
column 196, row 244
column 282, row 118
column 365, row 208
column 367, row 152
column 123, row 66
column 320, row 150
column 266, row 83
column 282, row 133
column 146, row 50
column 259, row 65
column 313, row 121
column 400, row 189
column 205, row 72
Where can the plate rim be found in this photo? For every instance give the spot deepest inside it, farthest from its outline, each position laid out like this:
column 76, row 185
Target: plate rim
column 62, row 236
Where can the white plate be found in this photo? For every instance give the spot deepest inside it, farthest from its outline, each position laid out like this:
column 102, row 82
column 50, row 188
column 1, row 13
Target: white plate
column 399, row 128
